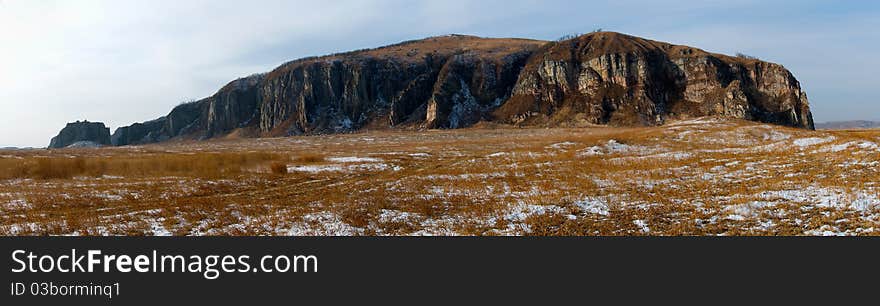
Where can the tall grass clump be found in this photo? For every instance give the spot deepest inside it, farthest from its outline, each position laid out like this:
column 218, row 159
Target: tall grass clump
column 309, row 158
column 278, row 168
column 208, row 165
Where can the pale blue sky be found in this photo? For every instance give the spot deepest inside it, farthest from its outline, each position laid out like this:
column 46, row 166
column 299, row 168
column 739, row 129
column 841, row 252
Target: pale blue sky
column 128, row 61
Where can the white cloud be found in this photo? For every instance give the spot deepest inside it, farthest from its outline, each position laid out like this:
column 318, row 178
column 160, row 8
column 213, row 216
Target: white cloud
column 126, row 61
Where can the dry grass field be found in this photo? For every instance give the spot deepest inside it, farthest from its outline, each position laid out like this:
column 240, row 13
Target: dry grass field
column 700, row 177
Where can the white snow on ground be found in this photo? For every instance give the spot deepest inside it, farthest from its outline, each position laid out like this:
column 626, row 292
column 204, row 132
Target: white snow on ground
column 741, row 212
column 735, row 217
column 517, row 214
column 497, row 154
column 158, row 228
column 371, row 167
column 323, row 224
column 389, row 215
column 829, row 230
column 438, row 227
column 811, row 141
column 667, row 156
column 825, row 230
column 594, row 150
column 108, row 196
column 698, row 121
column 827, row 197
column 17, row 204
column 561, row 145
column 354, row 159
column 864, row 202
column 316, row 168
column 615, row 147
column 643, row 226
column 359, row 164
column 465, row 176
column 612, row 147
column 420, row 154
column 774, row 135
column 837, row 148
column 851, row 163
column 864, row 145
column 867, row 145
column 593, row 205
column 16, row 229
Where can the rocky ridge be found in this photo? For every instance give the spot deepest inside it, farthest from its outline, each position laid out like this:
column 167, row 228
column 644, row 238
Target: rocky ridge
column 612, row 78
column 457, row 81
column 82, row 134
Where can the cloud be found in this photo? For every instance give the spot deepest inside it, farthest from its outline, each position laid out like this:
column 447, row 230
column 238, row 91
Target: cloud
column 121, row 62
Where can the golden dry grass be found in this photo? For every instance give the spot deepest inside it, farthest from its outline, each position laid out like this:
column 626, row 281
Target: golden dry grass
column 54, row 166
column 699, row 177
column 309, row 158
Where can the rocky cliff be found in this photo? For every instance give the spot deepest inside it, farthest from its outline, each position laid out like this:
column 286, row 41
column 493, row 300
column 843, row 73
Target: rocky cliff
column 612, row 78
column 81, row 134
column 456, row 81
column 443, row 82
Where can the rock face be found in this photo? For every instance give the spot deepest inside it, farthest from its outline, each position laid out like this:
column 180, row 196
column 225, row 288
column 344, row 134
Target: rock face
column 456, row 81
column 611, row 78
column 82, row 134
column 140, row 133
column 441, row 82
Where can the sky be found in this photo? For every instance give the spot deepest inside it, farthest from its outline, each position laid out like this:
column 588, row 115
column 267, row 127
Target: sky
column 121, row 61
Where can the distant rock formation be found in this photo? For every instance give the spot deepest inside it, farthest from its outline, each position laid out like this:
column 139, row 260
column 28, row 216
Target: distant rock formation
column 842, row 125
column 82, row 134
column 456, row 81
column 140, row 133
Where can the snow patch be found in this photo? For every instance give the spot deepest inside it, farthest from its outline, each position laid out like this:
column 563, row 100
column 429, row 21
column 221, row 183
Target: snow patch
column 316, row 168
column 828, row 197
column 612, row 147
column 498, row 154
column 110, row 197
column 17, row 204
column 774, row 135
column 593, row 205
column 561, row 145
column 811, row 141
column 466, row 176
column 388, row 215
column 643, row 226
column 323, row 224
column 158, row 228
column 371, row 167
column 868, row 145
column 354, row 159
column 740, row 212
column 520, row 212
